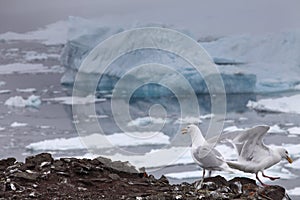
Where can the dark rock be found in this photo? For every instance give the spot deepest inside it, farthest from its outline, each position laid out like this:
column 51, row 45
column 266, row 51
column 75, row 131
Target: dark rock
column 274, row 192
column 27, row 176
column 114, row 176
column 35, row 161
column 6, row 162
column 163, row 179
column 218, row 180
column 243, row 180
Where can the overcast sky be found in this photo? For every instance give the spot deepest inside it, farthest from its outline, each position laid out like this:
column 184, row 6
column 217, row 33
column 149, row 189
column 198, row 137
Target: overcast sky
column 211, row 17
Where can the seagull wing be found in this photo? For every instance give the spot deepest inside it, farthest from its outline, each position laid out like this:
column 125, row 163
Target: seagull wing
column 208, row 157
column 239, row 138
column 250, row 145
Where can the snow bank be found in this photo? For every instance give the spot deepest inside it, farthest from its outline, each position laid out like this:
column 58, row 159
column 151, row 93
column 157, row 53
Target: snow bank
column 283, row 104
column 99, row 141
column 18, row 101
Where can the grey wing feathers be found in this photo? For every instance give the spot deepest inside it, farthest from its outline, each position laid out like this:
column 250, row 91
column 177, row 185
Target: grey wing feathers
column 208, row 158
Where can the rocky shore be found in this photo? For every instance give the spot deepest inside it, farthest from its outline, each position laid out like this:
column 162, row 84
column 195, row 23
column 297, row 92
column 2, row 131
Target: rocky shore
column 42, row 177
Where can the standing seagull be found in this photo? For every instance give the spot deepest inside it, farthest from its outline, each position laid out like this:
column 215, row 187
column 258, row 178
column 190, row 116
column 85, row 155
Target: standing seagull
column 203, row 153
column 253, row 155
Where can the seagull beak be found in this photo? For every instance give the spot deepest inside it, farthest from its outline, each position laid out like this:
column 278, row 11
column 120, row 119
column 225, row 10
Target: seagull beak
column 184, row 131
column 289, row 159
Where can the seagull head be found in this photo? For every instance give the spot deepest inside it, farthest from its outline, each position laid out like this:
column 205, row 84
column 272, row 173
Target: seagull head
column 190, row 129
column 285, row 154
column 195, row 133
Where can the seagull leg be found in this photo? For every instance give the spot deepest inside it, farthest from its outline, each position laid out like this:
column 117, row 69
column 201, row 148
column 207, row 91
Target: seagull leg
column 209, row 173
column 270, row 177
column 200, row 182
column 263, row 184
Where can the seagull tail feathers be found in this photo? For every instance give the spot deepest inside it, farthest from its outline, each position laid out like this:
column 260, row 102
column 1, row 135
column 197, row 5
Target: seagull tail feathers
column 233, row 165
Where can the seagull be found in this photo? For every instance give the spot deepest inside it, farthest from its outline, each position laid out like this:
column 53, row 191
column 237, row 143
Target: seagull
column 203, row 152
column 253, row 155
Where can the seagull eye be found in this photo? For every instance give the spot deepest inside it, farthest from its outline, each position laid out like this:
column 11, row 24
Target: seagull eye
column 286, row 152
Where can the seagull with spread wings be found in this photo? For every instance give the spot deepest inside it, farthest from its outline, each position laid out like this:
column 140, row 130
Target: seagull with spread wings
column 253, row 155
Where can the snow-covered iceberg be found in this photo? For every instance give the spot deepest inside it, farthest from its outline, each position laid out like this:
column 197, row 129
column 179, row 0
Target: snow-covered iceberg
column 244, row 61
column 84, row 35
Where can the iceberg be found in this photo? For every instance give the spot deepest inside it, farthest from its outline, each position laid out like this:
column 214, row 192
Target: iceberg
column 244, row 61
column 18, row 101
column 84, row 35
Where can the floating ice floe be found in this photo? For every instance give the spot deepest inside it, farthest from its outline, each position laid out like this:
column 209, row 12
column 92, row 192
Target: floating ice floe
column 295, row 191
column 28, row 68
column 232, row 128
column 35, row 56
column 207, row 116
column 276, row 129
column 18, row 101
column 5, row 91
column 2, row 128
column 283, row 104
column 52, row 34
column 144, row 121
column 18, row 124
column 294, row 130
column 73, row 100
column 99, row 141
column 294, row 165
column 25, row 90
column 188, row 120
column 2, row 83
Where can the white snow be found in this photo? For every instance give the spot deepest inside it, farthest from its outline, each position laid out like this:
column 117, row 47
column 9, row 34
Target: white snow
column 18, row 101
column 100, row 141
column 2, row 128
column 29, row 90
column 18, row 124
column 71, row 100
column 144, row 121
column 28, row 68
column 283, row 104
column 52, row 34
column 188, row 120
column 294, row 130
column 295, row 191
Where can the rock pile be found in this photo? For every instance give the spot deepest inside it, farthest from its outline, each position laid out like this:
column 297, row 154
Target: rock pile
column 42, row 177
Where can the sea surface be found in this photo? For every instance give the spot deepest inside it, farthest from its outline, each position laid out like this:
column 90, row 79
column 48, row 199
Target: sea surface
column 52, row 123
